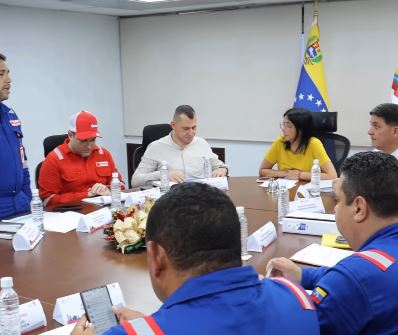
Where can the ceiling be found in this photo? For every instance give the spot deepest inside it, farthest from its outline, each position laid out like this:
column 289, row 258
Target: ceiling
column 138, row 8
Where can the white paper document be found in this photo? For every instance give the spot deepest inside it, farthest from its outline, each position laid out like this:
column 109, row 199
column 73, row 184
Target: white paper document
column 324, row 185
column 61, row 222
column 320, row 255
column 290, row 183
column 218, row 182
column 156, row 183
column 53, row 221
column 64, row 330
column 105, row 199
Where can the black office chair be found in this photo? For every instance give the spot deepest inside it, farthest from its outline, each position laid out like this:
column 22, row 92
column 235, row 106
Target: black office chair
column 337, row 148
column 49, row 144
column 150, row 133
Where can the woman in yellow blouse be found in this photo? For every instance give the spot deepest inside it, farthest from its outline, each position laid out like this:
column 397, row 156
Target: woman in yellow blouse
column 296, row 149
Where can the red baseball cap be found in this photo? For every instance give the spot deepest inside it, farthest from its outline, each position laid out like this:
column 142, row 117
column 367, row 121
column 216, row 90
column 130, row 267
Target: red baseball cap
column 84, row 124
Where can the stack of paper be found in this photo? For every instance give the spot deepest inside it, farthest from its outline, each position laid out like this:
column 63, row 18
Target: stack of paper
column 320, row 255
column 8, row 229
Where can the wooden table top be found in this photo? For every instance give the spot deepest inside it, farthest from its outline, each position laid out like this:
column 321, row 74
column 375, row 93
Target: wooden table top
column 63, row 264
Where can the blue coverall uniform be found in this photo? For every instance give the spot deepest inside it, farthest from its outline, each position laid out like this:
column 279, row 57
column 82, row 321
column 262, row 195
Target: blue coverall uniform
column 230, row 301
column 359, row 295
column 15, row 194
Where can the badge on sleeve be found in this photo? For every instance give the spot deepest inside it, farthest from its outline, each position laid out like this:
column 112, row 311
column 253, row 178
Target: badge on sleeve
column 318, row 294
column 15, row 123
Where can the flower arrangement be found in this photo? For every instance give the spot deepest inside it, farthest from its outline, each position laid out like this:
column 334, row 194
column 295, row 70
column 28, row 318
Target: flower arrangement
column 127, row 231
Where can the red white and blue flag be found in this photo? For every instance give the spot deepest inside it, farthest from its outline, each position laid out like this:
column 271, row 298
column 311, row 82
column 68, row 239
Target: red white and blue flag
column 394, row 88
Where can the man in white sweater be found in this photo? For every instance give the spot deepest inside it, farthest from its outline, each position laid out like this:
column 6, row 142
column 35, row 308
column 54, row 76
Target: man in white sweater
column 383, row 129
column 182, row 149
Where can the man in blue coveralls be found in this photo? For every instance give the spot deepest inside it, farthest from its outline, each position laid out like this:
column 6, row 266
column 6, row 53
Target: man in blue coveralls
column 194, row 262
column 15, row 191
column 359, row 295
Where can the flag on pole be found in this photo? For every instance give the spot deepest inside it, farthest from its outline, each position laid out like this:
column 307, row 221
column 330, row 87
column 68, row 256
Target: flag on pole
column 394, row 88
column 311, row 90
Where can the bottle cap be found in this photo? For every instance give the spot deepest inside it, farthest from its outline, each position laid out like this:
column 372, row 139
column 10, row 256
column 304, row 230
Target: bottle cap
column 6, row 282
column 164, row 163
column 115, row 175
column 240, row 210
column 35, row 191
column 316, row 161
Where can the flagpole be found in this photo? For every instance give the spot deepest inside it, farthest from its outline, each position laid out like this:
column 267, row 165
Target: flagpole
column 302, row 34
column 316, row 11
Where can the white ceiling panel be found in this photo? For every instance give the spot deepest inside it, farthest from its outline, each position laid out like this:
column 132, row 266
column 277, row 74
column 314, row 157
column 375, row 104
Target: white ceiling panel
column 139, row 8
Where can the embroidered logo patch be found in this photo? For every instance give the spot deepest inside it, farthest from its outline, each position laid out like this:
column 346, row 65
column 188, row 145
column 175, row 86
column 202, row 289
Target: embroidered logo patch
column 15, row 123
column 102, row 164
column 318, row 294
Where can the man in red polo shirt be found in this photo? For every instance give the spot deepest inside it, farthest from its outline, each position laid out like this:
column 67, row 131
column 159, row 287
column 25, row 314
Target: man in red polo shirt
column 78, row 168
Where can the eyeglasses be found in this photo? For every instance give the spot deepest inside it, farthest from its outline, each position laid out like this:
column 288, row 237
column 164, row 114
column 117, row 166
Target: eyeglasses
column 286, row 125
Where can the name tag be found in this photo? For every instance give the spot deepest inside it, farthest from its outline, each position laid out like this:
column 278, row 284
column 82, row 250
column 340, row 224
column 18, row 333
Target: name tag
column 313, row 205
column 102, row 164
column 94, row 220
column 138, row 198
column 27, row 237
column 32, row 316
column 261, row 238
column 15, row 123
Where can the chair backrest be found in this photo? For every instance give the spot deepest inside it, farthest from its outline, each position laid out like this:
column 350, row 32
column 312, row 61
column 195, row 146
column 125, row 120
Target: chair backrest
column 37, row 173
column 153, row 132
column 51, row 142
column 150, row 133
column 337, row 147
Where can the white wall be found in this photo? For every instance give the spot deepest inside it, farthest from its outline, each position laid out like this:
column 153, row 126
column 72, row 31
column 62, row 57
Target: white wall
column 60, row 63
column 239, row 69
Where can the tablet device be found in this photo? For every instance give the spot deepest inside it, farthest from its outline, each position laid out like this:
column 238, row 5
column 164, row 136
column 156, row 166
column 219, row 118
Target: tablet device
column 98, row 306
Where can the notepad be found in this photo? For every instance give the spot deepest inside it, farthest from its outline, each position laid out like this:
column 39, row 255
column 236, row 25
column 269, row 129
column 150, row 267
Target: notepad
column 319, row 255
column 329, row 240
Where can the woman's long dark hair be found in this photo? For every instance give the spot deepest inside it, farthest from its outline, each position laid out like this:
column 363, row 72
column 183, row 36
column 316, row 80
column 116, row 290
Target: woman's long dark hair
column 302, row 120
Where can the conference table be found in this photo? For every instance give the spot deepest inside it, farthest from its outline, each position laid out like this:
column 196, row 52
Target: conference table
column 63, row 264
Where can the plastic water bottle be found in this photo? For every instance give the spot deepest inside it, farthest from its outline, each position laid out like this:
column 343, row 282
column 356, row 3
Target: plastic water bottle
column 10, row 323
column 115, row 192
column 36, row 207
column 283, row 200
column 164, row 178
column 243, row 230
column 315, row 187
column 207, row 170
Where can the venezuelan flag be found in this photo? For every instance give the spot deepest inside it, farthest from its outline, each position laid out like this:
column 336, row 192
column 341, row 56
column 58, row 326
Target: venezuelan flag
column 311, row 90
column 394, row 88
